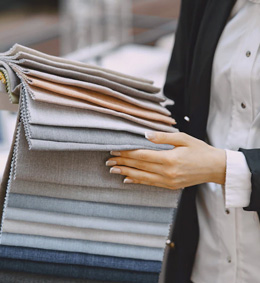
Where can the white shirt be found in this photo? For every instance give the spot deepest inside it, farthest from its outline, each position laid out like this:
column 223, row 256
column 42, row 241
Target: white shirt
column 229, row 242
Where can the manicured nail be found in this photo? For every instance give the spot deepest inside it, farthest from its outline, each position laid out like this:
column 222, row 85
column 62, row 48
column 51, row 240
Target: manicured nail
column 116, row 153
column 110, row 163
column 128, row 181
column 150, row 135
column 115, row 170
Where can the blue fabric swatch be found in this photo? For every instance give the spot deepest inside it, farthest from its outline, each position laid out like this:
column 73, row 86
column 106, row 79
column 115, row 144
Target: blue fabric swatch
column 71, row 245
column 116, row 211
column 51, row 256
column 77, row 271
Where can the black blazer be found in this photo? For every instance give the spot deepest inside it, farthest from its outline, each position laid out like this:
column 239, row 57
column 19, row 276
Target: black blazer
column 188, row 83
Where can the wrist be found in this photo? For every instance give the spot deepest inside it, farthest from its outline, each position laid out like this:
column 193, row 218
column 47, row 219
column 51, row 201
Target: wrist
column 218, row 172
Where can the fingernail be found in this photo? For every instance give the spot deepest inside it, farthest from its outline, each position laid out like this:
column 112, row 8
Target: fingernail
column 110, row 163
column 116, row 153
column 115, row 170
column 150, row 135
column 128, row 181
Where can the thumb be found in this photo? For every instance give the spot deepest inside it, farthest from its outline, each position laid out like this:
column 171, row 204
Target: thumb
column 176, row 139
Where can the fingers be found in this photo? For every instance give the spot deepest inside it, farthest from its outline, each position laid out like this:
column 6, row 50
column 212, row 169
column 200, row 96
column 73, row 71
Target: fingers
column 143, row 165
column 127, row 180
column 141, row 154
column 133, row 173
column 176, row 139
column 142, row 176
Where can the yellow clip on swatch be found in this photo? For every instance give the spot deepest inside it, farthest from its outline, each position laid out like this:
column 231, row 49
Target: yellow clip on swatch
column 2, row 78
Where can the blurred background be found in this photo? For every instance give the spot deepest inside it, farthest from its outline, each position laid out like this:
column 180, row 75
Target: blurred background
column 131, row 36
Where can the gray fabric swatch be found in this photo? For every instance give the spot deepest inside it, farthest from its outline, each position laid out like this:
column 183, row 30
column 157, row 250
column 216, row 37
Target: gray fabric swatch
column 91, row 247
column 90, row 79
column 51, row 98
column 20, row 48
column 62, row 115
column 6, row 179
column 134, row 196
column 64, row 219
column 93, row 209
column 61, row 138
column 69, row 232
column 70, row 146
column 89, row 170
column 89, row 71
column 101, row 137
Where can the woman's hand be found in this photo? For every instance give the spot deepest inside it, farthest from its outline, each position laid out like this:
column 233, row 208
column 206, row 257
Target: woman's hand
column 190, row 162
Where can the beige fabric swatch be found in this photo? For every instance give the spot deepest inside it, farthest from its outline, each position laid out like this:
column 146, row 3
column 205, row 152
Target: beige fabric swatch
column 101, row 100
column 144, row 103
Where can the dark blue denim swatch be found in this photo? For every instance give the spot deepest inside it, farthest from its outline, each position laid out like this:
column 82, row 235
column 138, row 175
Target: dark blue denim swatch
column 41, row 255
column 78, row 271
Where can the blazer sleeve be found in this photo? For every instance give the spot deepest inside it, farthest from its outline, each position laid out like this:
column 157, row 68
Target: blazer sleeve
column 253, row 160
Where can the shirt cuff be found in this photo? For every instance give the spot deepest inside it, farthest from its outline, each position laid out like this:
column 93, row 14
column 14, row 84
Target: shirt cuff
column 238, row 180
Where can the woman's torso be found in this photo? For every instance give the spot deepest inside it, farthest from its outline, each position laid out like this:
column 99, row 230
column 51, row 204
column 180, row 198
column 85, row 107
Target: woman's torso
column 229, row 244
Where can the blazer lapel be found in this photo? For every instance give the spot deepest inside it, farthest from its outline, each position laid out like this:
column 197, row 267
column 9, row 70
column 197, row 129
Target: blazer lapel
column 212, row 25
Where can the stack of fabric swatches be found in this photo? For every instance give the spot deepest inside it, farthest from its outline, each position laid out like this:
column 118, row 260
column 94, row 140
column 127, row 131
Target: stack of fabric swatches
column 63, row 213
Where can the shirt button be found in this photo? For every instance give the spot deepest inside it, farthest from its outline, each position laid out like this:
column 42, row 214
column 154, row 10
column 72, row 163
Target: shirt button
column 187, row 118
column 243, row 105
column 227, row 211
column 170, row 244
column 229, row 259
column 248, row 54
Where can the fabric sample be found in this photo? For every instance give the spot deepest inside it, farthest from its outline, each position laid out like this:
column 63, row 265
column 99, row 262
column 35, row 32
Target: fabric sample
column 25, row 277
column 42, row 145
column 7, row 172
column 100, row 99
column 11, row 80
column 91, row 79
column 107, row 224
column 134, row 196
column 115, row 211
column 89, row 170
column 94, row 87
column 52, row 98
column 41, row 255
column 77, row 271
column 147, row 87
column 90, row 139
column 5, row 88
column 91, row 247
column 73, row 113
column 64, row 214
column 69, row 232
column 20, row 48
